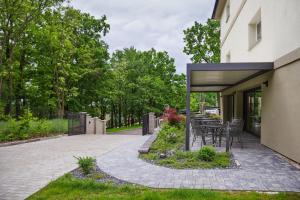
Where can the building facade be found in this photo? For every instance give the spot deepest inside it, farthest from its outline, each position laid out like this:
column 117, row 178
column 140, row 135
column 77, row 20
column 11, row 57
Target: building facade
column 264, row 31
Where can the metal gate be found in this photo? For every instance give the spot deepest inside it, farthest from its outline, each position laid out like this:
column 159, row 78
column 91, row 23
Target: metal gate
column 145, row 124
column 76, row 123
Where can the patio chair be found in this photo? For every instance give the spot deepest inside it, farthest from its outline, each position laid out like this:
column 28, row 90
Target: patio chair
column 199, row 130
column 236, row 130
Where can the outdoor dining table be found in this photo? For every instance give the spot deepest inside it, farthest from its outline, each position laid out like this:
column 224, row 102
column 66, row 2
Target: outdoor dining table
column 213, row 126
column 217, row 130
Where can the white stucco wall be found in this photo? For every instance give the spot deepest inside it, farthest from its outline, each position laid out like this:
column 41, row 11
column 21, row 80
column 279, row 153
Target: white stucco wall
column 280, row 30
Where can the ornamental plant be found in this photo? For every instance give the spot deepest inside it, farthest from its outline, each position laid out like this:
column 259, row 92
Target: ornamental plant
column 86, row 164
column 172, row 117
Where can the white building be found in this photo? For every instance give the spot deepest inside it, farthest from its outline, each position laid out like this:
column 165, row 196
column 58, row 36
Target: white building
column 259, row 73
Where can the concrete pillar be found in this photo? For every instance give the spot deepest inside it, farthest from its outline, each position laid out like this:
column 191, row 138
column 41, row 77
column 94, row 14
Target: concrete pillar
column 90, row 125
column 103, row 126
column 100, row 126
column 151, row 122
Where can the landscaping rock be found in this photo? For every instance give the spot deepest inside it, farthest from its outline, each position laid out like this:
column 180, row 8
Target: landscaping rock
column 162, row 155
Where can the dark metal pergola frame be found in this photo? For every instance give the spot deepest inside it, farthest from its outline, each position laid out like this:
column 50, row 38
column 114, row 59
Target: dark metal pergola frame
column 260, row 67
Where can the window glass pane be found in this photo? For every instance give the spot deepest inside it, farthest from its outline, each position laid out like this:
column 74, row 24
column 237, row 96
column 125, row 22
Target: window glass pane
column 258, row 31
column 253, row 112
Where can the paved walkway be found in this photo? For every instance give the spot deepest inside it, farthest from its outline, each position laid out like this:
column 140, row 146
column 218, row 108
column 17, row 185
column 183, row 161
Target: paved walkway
column 261, row 169
column 26, row 168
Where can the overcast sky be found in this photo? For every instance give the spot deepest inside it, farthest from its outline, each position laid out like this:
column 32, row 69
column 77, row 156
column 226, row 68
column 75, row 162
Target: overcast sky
column 149, row 23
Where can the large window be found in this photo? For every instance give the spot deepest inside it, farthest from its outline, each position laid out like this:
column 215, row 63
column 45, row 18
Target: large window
column 252, row 109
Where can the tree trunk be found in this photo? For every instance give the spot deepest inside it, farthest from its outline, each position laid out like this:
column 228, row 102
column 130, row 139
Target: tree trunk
column 19, row 87
column 119, row 115
column 8, row 107
column 132, row 119
column 1, row 83
column 112, row 116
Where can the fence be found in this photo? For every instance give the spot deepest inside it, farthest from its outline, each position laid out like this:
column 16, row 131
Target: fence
column 76, row 123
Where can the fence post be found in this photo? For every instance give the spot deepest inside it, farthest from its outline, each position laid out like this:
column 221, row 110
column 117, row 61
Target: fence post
column 145, row 124
column 82, row 119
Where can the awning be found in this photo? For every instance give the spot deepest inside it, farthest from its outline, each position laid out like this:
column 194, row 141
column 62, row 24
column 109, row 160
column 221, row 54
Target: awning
column 208, row 77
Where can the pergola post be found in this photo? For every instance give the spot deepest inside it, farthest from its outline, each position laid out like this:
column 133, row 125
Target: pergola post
column 188, row 112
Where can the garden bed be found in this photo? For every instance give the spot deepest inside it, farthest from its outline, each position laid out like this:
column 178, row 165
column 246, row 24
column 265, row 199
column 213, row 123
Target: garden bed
column 168, row 150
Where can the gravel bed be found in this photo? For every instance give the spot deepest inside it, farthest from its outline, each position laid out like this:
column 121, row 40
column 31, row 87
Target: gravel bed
column 98, row 175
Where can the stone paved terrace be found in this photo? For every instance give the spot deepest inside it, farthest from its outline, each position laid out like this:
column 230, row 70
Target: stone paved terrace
column 261, row 170
column 26, row 168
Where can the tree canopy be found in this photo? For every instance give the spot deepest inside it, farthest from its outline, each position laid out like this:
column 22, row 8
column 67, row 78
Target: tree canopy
column 53, row 59
column 202, row 42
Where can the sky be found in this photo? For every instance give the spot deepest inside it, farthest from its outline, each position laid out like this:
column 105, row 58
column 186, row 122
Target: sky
column 149, row 23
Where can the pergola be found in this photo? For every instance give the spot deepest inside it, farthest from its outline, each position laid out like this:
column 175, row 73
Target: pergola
column 210, row 77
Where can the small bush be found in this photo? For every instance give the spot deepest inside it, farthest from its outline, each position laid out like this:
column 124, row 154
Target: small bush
column 207, row 153
column 86, row 164
column 172, row 117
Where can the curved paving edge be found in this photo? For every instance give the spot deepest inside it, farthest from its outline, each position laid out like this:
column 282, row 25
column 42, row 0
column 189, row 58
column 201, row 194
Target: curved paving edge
column 123, row 163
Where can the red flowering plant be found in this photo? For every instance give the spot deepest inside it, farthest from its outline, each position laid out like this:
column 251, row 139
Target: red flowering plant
column 170, row 115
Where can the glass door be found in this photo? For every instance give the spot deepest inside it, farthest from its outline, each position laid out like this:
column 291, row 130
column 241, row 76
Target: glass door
column 230, row 106
column 252, row 109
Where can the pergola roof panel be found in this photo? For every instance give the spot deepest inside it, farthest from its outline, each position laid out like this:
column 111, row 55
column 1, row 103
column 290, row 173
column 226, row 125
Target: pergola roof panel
column 217, row 77
column 206, row 77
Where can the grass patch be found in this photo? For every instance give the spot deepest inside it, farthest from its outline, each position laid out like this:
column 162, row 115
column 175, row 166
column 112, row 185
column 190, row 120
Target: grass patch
column 170, row 142
column 124, row 128
column 13, row 130
column 67, row 187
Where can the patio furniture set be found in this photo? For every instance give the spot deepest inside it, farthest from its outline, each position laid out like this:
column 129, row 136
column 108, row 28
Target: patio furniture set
column 204, row 127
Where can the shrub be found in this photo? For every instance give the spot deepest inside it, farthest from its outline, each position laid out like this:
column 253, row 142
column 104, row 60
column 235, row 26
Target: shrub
column 207, row 153
column 172, row 117
column 86, row 164
column 30, row 127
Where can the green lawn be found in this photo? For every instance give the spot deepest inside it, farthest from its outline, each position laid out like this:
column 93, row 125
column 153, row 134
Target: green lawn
column 67, row 187
column 21, row 130
column 171, row 139
column 124, row 128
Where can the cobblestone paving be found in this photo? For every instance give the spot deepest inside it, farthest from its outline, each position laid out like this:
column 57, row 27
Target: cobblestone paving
column 261, row 169
column 26, row 168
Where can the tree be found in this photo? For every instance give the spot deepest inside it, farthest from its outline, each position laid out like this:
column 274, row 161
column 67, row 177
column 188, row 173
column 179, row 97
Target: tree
column 15, row 17
column 202, row 42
